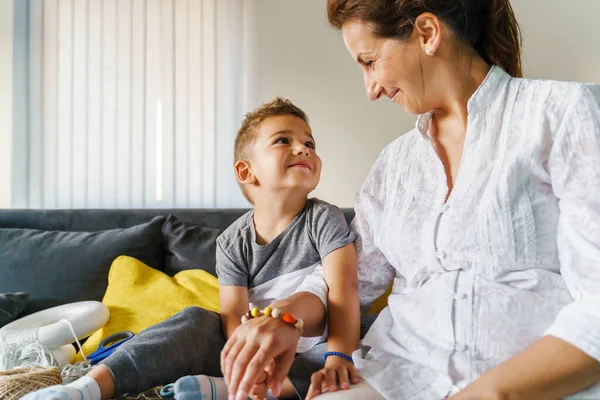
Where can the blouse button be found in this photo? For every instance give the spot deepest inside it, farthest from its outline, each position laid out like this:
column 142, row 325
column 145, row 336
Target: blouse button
column 460, row 296
column 460, row 347
column 441, row 255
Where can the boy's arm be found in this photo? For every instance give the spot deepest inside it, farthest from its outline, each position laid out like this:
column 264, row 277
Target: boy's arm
column 343, row 319
column 309, row 308
column 234, row 304
column 343, row 308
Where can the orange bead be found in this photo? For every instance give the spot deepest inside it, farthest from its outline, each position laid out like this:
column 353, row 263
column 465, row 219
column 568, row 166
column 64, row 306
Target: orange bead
column 289, row 318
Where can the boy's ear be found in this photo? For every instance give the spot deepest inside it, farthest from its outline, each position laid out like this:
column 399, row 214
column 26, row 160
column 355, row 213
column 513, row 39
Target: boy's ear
column 243, row 172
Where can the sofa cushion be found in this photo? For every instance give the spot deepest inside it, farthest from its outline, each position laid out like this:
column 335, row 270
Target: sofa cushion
column 189, row 246
column 57, row 267
column 138, row 297
column 11, row 304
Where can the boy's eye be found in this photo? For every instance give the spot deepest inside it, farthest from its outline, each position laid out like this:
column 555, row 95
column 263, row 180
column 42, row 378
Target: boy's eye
column 282, row 140
column 310, row 145
column 369, row 64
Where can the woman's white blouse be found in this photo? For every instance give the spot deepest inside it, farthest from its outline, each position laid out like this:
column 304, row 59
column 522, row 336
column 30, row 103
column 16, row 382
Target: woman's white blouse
column 512, row 255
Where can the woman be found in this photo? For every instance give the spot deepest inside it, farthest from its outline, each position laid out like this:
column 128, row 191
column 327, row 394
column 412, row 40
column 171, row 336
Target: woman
column 486, row 216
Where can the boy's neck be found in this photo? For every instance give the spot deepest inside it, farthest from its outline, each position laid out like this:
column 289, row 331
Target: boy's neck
column 272, row 214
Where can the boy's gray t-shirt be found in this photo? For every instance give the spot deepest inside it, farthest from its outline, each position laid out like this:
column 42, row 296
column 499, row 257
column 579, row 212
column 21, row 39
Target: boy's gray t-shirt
column 275, row 270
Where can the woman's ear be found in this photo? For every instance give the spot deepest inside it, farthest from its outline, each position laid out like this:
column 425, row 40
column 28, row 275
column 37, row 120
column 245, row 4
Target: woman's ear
column 243, row 172
column 429, row 31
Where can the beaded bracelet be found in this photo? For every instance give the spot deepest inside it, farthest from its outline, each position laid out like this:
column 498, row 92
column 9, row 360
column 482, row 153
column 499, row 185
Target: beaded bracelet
column 288, row 318
column 338, row 354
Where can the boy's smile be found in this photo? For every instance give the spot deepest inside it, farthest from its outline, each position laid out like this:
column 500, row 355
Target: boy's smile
column 301, row 165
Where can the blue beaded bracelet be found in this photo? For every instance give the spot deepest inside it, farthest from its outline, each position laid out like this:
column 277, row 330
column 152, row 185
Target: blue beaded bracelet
column 338, row 354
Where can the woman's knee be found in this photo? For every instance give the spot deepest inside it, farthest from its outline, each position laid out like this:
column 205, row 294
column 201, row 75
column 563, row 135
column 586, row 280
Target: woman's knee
column 361, row 391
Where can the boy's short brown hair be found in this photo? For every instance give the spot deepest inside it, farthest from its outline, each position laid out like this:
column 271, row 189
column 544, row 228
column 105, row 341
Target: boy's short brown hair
column 247, row 132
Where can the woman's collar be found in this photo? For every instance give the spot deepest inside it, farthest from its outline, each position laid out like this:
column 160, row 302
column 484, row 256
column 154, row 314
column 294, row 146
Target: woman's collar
column 488, row 90
column 483, row 96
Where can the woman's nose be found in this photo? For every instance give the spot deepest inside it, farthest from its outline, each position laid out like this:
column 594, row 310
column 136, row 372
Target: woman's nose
column 373, row 89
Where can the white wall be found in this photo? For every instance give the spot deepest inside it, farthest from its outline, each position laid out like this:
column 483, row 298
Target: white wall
column 6, row 47
column 293, row 52
column 296, row 54
column 560, row 39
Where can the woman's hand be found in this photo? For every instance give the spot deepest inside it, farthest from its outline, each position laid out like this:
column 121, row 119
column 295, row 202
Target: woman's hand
column 337, row 372
column 484, row 394
column 261, row 344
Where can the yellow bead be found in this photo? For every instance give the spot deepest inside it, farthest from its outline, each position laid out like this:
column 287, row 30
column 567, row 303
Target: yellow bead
column 255, row 312
column 267, row 311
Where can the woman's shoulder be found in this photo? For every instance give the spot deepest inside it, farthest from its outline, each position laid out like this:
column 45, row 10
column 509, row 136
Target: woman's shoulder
column 554, row 97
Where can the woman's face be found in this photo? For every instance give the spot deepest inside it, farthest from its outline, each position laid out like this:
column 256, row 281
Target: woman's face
column 391, row 68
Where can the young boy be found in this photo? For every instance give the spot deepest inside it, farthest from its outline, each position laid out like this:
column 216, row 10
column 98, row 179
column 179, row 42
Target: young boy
column 263, row 256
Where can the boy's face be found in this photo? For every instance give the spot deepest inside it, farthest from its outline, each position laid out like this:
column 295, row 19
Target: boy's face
column 284, row 156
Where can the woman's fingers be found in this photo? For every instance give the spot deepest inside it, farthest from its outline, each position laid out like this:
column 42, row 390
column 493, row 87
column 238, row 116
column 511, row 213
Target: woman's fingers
column 228, row 346
column 270, row 368
column 269, row 337
column 283, row 363
column 226, row 349
column 258, row 344
column 230, row 358
column 239, row 371
column 253, row 370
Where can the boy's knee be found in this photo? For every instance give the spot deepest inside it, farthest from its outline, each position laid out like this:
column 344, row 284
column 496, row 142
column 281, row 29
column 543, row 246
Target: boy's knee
column 192, row 311
column 200, row 314
column 204, row 322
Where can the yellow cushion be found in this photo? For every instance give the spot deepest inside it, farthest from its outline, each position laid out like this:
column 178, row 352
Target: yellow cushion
column 381, row 302
column 139, row 296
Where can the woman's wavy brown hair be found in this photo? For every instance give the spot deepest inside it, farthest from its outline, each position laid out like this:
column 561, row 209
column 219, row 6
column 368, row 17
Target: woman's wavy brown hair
column 488, row 26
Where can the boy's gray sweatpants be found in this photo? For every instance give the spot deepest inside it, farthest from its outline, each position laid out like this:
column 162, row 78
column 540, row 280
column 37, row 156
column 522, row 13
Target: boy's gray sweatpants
column 189, row 343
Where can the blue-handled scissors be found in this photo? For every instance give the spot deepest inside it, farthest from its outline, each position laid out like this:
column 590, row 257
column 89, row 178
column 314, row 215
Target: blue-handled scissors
column 109, row 345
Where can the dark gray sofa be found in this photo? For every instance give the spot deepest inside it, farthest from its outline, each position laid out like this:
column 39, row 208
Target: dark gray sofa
column 19, row 269
column 63, row 256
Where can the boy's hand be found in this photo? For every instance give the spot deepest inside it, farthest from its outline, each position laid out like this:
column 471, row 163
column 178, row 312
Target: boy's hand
column 260, row 345
column 337, row 373
column 259, row 391
column 260, row 388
